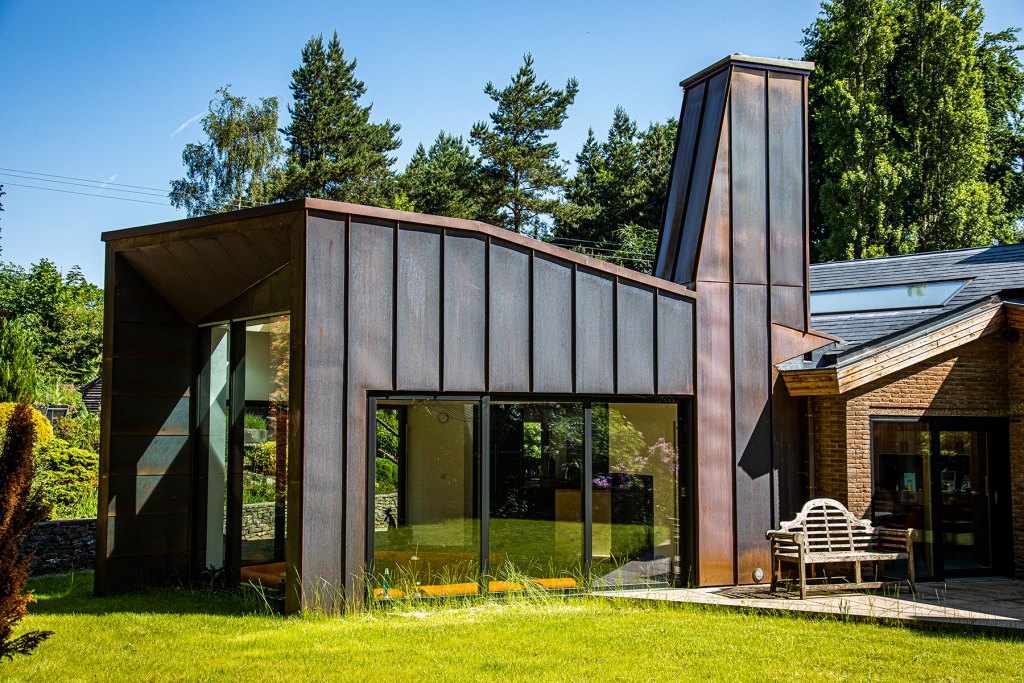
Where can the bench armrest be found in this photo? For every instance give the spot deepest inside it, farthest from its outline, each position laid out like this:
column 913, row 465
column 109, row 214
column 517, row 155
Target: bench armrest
column 795, row 537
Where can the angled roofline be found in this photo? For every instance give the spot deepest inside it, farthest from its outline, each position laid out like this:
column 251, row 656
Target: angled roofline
column 188, row 225
column 841, row 370
column 922, row 254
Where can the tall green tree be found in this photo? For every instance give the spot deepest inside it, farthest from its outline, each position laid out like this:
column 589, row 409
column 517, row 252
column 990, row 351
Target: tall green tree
column 17, row 364
column 239, row 164
column 63, row 313
column 915, row 123
column 2, row 193
column 526, row 176
column 619, row 188
column 446, row 180
column 334, row 150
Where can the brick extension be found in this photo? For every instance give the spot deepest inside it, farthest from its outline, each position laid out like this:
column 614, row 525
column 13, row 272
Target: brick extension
column 984, row 378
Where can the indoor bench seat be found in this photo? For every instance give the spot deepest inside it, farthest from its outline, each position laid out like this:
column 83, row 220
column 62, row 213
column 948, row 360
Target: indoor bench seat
column 825, row 532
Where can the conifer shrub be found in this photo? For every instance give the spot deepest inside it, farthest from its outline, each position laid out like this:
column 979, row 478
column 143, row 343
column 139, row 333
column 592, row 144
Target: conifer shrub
column 21, row 508
column 43, row 430
column 66, row 475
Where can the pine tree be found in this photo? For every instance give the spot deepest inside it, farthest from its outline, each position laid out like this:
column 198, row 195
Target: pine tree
column 21, row 508
column 334, row 151
column 446, row 180
column 17, row 364
column 525, row 174
column 238, row 166
column 619, row 188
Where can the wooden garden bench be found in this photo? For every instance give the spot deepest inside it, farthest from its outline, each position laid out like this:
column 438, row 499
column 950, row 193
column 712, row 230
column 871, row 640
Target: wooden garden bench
column 825, row 532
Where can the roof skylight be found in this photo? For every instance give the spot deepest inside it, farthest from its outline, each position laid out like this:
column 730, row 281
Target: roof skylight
column 885, row 297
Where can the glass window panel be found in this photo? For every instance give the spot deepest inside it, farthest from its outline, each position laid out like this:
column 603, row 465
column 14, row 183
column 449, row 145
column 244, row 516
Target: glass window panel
column 265, row 439
column 887, row 297
column 635, row 499
column 963, row 473
column 426, row 500
column 902, row 497
column 212, row 436
column 536, row 523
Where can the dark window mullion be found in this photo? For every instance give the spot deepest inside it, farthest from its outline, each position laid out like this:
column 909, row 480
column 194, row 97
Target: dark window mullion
column 587, row 497
column 485, row 490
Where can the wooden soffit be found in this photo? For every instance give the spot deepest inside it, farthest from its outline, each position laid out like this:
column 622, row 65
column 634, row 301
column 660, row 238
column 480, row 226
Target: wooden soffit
column 896, row 355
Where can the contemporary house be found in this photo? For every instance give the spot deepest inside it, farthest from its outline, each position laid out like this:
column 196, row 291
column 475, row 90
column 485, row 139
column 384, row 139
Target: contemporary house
column 350, row 403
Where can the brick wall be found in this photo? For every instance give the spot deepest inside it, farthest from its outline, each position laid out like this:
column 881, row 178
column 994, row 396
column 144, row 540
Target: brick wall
column 971, row 381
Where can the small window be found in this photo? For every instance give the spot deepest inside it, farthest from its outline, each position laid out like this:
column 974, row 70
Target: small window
column 886, row 297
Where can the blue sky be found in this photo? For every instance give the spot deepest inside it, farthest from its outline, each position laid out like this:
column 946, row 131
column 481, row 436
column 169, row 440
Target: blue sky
column 112, row 91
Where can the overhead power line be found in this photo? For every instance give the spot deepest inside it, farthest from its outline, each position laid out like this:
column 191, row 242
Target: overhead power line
column 87, row 194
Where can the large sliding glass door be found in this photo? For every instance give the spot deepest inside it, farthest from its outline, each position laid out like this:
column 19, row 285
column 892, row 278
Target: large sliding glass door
column 942, row 476
column 494, row 495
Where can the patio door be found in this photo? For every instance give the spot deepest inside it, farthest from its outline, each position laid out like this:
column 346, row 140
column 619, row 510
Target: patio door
column 945, row 477
column 965, row 501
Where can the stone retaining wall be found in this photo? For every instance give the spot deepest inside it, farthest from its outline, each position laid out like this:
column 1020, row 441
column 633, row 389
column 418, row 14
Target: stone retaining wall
column 382, row 502
column 62, row 545
column 258, row 521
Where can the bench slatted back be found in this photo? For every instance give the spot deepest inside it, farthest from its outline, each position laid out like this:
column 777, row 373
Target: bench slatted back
column 829, row 527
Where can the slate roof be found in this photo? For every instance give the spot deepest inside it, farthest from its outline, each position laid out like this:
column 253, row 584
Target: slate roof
column 988, row 271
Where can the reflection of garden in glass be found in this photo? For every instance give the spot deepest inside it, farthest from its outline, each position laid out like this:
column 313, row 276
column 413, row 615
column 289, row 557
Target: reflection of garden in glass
column 427, row 528
column 635, row 499
column 536, row 525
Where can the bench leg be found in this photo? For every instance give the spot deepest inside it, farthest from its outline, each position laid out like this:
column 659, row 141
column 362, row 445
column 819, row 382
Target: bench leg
column 776, row 570
column 910, row 574
column 856, row 573
column 803, row 581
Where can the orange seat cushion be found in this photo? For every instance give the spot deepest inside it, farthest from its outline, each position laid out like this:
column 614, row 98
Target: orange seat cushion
column 445, row 589
column 556, row 583
column 392, row 593
column 268, row 575
column 505, row 586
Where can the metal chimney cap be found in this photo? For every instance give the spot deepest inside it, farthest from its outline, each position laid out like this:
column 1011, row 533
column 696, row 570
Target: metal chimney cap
column 740, row 59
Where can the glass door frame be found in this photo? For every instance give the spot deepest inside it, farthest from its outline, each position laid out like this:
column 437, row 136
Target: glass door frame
column 996, row 430
column 234, row 473
column 685, row 546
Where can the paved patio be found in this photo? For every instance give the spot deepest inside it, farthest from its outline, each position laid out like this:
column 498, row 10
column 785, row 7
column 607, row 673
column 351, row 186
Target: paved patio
column 996, row 603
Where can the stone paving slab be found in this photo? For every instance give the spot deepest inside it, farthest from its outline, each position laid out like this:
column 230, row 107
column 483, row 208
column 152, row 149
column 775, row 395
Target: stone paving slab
column 986, row 602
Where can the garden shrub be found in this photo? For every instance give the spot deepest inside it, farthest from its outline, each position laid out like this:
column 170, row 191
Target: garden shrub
column 262, row 457
column 386, row 476
column 64, row 474
column 81, row 432
column 44, row 432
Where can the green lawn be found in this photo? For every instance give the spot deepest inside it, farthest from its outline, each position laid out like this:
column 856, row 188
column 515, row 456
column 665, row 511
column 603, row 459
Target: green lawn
column 174, row 635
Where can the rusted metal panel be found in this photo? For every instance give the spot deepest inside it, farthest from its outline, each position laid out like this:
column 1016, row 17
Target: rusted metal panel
column 679, row 181
column 152, row 375
column 162, row 494
column 788, row 306
column 150, row 455
column 323, row 399
column 552, row 326
column 635, row 344
column 749, row 176
column 715, row 263
column 700, row 180
column 786, row 178
column 715, row 469
column 465, row 313
column 509, row 314
column 675, row 359
column 145, row 535
column 370, row 349
column 418, row 323
column 752, row 424
column 595, row 333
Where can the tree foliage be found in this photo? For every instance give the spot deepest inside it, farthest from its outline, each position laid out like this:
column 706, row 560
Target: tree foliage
column 916, row 131
column 21, row 508
column 239, row 164
column 17, row 364
column 446, row 180
column 334, row 150
column 618, row 192
column 62, row 313
column 525, row 174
